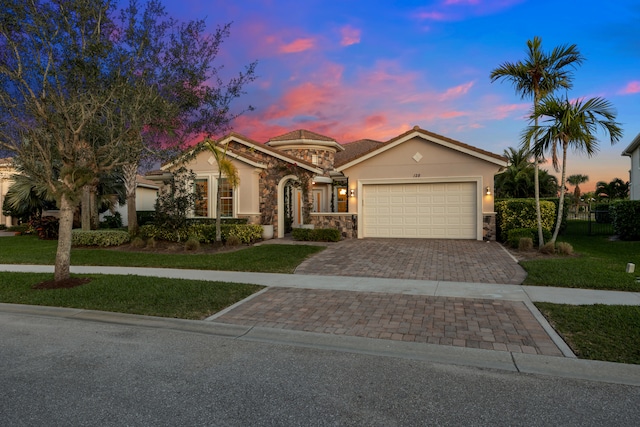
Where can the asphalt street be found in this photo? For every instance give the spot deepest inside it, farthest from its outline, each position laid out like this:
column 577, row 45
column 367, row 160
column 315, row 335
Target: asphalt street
column 61, row 371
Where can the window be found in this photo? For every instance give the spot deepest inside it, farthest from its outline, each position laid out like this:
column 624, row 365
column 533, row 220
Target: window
column 342, row 199
column 202, row 197
column 226, row 199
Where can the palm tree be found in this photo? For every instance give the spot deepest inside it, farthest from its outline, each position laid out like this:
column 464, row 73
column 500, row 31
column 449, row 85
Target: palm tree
column 570, row 124
column 576, row 180
column 539, row 75
column 226, row 170
column 616, row 189
column 517, row 180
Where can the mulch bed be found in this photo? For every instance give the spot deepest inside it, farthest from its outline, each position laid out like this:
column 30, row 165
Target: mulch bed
column 71, row 282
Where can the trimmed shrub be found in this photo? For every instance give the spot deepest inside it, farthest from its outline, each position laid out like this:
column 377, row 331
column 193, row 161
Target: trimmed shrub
column 316, row 234
column 233, row 240
column 548, row 249
column 3, row 227
column 45, row 227
column 564, row 248
column 514, row 236
column 625, row 217
column 192, row 244
column 525, row 244
column 99, row 237
column 22, row 228
column 138, row 243
column 212, row 221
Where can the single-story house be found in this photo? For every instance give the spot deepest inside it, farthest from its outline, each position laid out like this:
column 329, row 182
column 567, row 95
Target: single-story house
column 416, row 185
column 633, row 151
column 146, row 196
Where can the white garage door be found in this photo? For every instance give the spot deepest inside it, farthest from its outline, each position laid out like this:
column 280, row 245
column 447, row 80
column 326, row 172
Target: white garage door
column 425, row 210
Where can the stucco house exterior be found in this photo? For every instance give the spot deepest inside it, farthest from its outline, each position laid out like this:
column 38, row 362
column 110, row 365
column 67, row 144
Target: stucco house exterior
column 416, row 185
column 633, row 151
column 7, row 170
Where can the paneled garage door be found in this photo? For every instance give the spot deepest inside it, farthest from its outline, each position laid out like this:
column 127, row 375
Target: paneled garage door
column 425, row 210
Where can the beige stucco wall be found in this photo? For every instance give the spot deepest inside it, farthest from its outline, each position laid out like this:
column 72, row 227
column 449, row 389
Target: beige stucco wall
column 6, row 174
column 246, row 199
column 437, row 164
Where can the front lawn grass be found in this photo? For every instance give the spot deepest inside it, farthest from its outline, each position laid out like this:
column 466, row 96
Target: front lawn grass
column 263, row 258
column 599, row 263
column 151, row 296
column 597, row 332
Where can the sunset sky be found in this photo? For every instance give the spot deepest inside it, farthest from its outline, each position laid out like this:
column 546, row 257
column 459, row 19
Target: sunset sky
column 356, row 69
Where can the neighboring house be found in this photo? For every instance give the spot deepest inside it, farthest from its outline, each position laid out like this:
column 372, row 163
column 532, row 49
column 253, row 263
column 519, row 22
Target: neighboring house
column 633, row 151
column 146, row 195
column 7, row 170
column 416, row 185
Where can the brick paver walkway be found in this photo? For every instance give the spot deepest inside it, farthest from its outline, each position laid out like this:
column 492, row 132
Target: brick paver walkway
column 478, row 323
column 420, row 259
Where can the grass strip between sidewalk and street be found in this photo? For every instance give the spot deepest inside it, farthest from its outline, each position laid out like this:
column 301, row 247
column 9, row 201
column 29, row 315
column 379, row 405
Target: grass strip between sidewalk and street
column 151, row 296
column 597, row 332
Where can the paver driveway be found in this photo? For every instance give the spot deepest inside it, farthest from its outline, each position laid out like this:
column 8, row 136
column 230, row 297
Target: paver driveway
column 421, row 259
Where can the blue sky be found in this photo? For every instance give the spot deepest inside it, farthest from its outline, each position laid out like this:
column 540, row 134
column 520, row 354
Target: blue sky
column 357, row 69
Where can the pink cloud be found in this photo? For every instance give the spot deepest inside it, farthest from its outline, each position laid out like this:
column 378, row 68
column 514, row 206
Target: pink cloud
column 455, row 10
column 299, row 45
column 457, row 91
column 349, row 35
column 631, row 88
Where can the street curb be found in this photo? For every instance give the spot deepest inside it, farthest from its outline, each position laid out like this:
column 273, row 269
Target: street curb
column 608, row 372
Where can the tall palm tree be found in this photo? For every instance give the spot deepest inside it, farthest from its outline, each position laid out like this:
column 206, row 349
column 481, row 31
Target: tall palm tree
column 226, row 170
column 539, row 75
column 517, row 180
column 576, row 180
column 570, row 124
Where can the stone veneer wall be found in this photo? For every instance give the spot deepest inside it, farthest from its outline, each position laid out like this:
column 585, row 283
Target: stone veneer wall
column 325, row 157
column 489, row 226
column 345, row 222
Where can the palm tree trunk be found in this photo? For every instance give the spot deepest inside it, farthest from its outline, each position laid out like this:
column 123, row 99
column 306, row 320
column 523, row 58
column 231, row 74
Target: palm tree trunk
column 561, row 200
column 130, row 171
column 218, row 210
column 536, row 181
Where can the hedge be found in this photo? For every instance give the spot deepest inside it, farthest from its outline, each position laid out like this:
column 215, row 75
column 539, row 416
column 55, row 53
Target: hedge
column 99, row 237
column 316, row 234
column 521, row 213
column 204, row 233
column 625, row 217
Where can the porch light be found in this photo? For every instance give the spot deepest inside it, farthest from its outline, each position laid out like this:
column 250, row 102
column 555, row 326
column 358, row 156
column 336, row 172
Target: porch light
column 352, row 192
column 488, row 190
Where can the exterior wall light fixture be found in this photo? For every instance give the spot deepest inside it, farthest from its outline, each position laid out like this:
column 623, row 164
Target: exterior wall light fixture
column 352, row 193
column 488, row 190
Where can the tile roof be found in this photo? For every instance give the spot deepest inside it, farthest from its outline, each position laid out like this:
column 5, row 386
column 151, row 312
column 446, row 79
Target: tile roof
column 355, row 149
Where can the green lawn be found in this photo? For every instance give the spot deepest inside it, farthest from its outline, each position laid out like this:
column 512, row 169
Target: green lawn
column 184, row 299
column 264, row 258
column 187, row 299
column 598, row 332
column 599, row 263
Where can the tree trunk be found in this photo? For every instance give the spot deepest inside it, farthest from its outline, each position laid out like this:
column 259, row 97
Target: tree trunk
column 130, row 172
column 94, row 217
column 561, row 200
column 85, row 208
column 63, row 254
